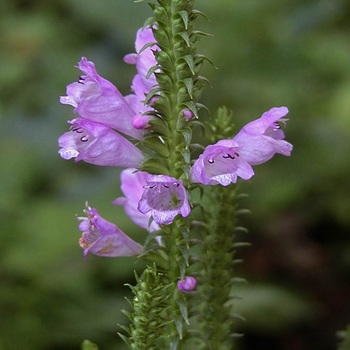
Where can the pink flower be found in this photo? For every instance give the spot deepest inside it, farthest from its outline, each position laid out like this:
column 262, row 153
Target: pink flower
column 98, row 100
column 132, row 187
column 144, row 60
column 187, row 285
column 103, row 238
column 97, row 144
column 261, row 139
column 164, row 197
column 221, row 163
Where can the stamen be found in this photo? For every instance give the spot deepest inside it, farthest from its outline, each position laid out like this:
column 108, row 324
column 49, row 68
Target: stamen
column 176, row 184
column 78, row 130
column 276, row 126
column 84, row 139
column 166, row 186
column 210, row 161
column 227, row 155
column 81, row 79
column 148, row 186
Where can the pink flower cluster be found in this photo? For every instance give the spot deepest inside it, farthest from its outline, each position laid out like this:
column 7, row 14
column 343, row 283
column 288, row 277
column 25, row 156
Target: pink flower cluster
column 99, row 136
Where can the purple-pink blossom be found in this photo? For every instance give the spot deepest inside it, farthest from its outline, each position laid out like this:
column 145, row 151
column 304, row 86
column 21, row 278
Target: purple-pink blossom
column 98, row 100
column 144, row 60
column 132, row 186
column 97, row 144
column 164, row 197
column 261, row 139
column 187, row 285
column 221, row 163
column 103, row 238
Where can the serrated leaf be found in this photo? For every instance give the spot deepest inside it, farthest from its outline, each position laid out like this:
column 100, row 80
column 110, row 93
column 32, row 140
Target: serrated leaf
column 184, row 16
column 189, row 85
column 199, row 32
column 182, row 303
column 200, row 13
column 185, row 254
column 151, row 71
column 187, row 134
column 240, row 229
column 241, row 244
column 179, row 326
column 192, row 107
column 184, row 35
column 146, row 46
column 189, row 60
column 125, row 339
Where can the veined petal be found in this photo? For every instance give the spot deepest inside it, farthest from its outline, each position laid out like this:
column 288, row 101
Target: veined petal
column 97, row 144
column 103, row 238
column 221, row 163
column 261, row 139
column 132, row 186
column 164, row 197
column 98, row 100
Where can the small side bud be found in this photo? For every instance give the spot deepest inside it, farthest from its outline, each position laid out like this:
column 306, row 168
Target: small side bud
column 187, row 285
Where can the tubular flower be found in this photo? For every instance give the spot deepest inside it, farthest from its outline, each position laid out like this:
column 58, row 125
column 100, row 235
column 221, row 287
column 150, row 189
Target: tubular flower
column 98, row 100
column 103, row 238
column 164, row 197
column 132, row 187
column 97, row 144
column 261, row 139
column 221, row 163
column 144, row 60
column 187, row 285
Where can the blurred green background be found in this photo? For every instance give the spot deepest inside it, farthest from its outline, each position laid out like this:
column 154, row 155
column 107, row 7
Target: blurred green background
column 269, row 53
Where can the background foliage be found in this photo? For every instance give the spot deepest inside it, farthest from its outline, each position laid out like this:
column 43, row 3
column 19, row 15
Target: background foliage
column 269, row 53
